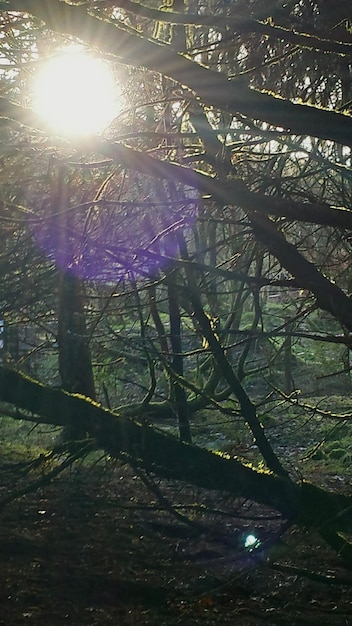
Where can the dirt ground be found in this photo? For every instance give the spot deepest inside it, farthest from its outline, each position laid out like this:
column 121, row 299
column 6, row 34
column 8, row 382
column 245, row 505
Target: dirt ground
column 96, row 546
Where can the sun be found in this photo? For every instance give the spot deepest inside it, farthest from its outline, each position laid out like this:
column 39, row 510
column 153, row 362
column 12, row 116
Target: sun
column 75, row 94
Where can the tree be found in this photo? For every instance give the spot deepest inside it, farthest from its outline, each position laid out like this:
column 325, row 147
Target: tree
column 245, row 175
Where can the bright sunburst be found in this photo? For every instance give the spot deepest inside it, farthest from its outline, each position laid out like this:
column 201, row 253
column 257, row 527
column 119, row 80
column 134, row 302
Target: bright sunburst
column 75, row 93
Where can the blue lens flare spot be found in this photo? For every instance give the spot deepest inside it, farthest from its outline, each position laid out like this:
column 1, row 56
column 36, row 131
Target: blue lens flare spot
column 251, row 542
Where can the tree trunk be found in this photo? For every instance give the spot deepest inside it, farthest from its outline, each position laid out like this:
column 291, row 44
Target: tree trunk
column 75, row 365
column 177, row 364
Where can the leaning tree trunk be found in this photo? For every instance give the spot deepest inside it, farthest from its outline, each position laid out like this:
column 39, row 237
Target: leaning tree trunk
column 139, row 444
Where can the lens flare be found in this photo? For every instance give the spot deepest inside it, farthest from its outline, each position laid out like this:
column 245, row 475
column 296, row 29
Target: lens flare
column 251, row 542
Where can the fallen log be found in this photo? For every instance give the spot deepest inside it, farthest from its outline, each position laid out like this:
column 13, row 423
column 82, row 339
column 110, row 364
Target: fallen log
column 143, row 446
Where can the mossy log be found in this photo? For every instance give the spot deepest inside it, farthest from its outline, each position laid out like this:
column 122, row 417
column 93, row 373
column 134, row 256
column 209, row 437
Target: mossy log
column 141, row 445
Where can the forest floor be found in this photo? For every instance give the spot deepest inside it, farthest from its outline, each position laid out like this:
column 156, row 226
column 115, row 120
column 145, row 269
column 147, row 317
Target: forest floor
column 100, row 545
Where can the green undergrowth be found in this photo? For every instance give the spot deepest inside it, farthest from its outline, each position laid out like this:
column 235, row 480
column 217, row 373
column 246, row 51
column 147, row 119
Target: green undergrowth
column 27, row 433
column 306, row 434
column 13, row 452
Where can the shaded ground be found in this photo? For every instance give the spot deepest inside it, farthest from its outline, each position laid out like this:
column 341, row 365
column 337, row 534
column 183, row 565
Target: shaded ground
column 95, row 547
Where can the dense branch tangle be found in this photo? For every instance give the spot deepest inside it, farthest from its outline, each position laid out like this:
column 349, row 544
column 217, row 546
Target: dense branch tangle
column 257, row 205
column 213, row 88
